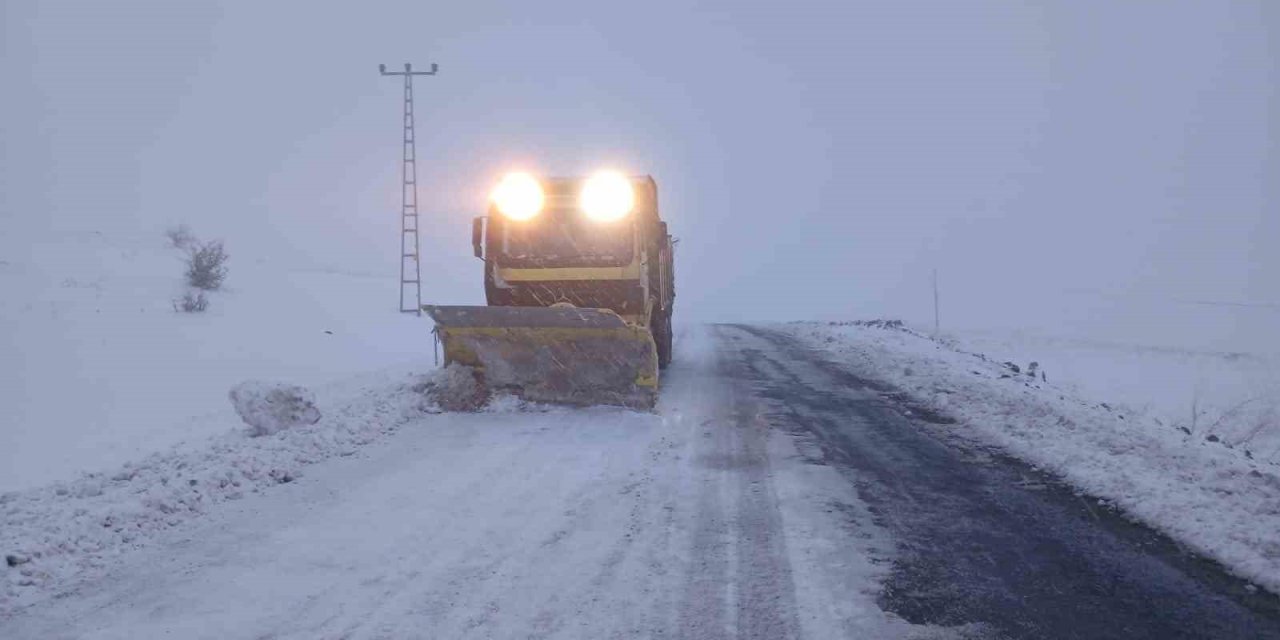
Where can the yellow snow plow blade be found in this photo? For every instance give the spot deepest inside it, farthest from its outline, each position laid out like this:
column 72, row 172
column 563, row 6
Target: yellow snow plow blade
column 563, row 355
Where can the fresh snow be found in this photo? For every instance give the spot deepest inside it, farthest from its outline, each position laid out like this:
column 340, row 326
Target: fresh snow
column 1234, row 397
column 388, row 518
column 72, row 531
column 1215, row 498
column 134, row 500
column 101, row 371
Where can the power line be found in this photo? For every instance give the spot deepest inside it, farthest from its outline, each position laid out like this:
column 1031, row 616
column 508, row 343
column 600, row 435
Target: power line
column 1131, row 297
column 1221, row 303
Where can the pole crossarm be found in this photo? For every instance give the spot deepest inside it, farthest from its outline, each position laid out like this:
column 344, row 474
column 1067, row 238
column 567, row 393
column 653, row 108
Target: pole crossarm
column 408, row 71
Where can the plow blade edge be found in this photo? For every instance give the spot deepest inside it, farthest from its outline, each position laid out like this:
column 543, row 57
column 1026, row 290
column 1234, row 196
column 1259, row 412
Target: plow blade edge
column 563, row 355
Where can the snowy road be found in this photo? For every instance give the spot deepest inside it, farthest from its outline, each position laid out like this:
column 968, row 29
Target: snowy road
column 698, row 522
column 774, row 495
column 982, row 537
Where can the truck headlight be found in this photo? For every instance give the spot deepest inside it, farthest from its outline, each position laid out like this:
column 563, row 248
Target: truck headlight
column 607, row 196
column 519, row 196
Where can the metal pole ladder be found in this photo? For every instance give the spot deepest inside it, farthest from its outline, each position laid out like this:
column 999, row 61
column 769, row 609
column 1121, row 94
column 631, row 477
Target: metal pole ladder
column 410, row 249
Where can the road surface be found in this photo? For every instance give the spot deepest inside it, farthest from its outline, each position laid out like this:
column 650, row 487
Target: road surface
column 773, row 495
column 984, row 538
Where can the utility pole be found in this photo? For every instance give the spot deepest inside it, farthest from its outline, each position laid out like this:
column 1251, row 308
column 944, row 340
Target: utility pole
column 937, row 325
column 410, row 265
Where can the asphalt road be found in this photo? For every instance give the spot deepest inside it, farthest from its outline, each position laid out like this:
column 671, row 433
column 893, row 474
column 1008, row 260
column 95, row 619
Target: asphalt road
column 982, row 538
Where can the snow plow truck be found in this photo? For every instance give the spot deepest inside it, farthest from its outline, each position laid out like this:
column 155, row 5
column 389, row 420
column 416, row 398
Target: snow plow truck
column 579, row 285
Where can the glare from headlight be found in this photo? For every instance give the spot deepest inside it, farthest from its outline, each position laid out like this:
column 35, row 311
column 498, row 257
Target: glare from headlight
column 519, row 196
column 607, row 196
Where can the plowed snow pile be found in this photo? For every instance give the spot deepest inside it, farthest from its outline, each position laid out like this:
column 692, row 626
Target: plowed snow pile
column 72, row 530
column 1219, row 497
column 270, row 408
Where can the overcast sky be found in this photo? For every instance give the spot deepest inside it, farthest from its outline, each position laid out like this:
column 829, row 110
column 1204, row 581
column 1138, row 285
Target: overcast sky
column 1088, row 168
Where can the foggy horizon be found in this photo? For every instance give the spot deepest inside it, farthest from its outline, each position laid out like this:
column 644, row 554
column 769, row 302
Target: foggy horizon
column 1082, row 169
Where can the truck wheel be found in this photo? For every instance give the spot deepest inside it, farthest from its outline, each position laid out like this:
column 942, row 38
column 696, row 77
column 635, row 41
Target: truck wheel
column 662, row 337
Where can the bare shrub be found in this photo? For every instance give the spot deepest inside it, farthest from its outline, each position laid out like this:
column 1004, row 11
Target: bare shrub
column 181, row 237
column 191, row 302
column 207, row 265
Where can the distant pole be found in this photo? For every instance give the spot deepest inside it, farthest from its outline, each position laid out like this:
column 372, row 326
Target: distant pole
column 937, row 325
column 409, row 246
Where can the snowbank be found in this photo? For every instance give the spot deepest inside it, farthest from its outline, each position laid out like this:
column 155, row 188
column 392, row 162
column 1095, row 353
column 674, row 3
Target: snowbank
column 1218, row 499
column 456, row 388
column 72, row 530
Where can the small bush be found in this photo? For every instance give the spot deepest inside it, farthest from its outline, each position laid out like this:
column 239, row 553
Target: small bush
column 207, row 265
column 191, row 302
column 180, row 237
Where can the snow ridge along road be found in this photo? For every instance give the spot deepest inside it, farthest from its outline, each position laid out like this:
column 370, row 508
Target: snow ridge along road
column 982, row 537
column 1218, row 500
column 702, row 521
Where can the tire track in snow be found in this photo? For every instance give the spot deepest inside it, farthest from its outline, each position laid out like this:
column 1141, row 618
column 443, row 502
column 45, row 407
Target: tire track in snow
column 705, row 592
column 740, row 584
column 766, row 605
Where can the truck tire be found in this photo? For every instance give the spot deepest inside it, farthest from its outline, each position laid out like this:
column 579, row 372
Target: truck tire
column 661, row 324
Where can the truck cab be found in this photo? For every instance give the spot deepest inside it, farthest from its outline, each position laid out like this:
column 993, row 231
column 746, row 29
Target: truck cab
column 595, row 243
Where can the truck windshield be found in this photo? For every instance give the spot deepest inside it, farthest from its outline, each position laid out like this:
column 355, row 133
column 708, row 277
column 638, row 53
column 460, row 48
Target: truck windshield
column 566, row 239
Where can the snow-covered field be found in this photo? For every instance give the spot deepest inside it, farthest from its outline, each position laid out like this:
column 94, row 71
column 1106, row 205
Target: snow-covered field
column 1234, row 397
column 99, row 369
column 1106, row 420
